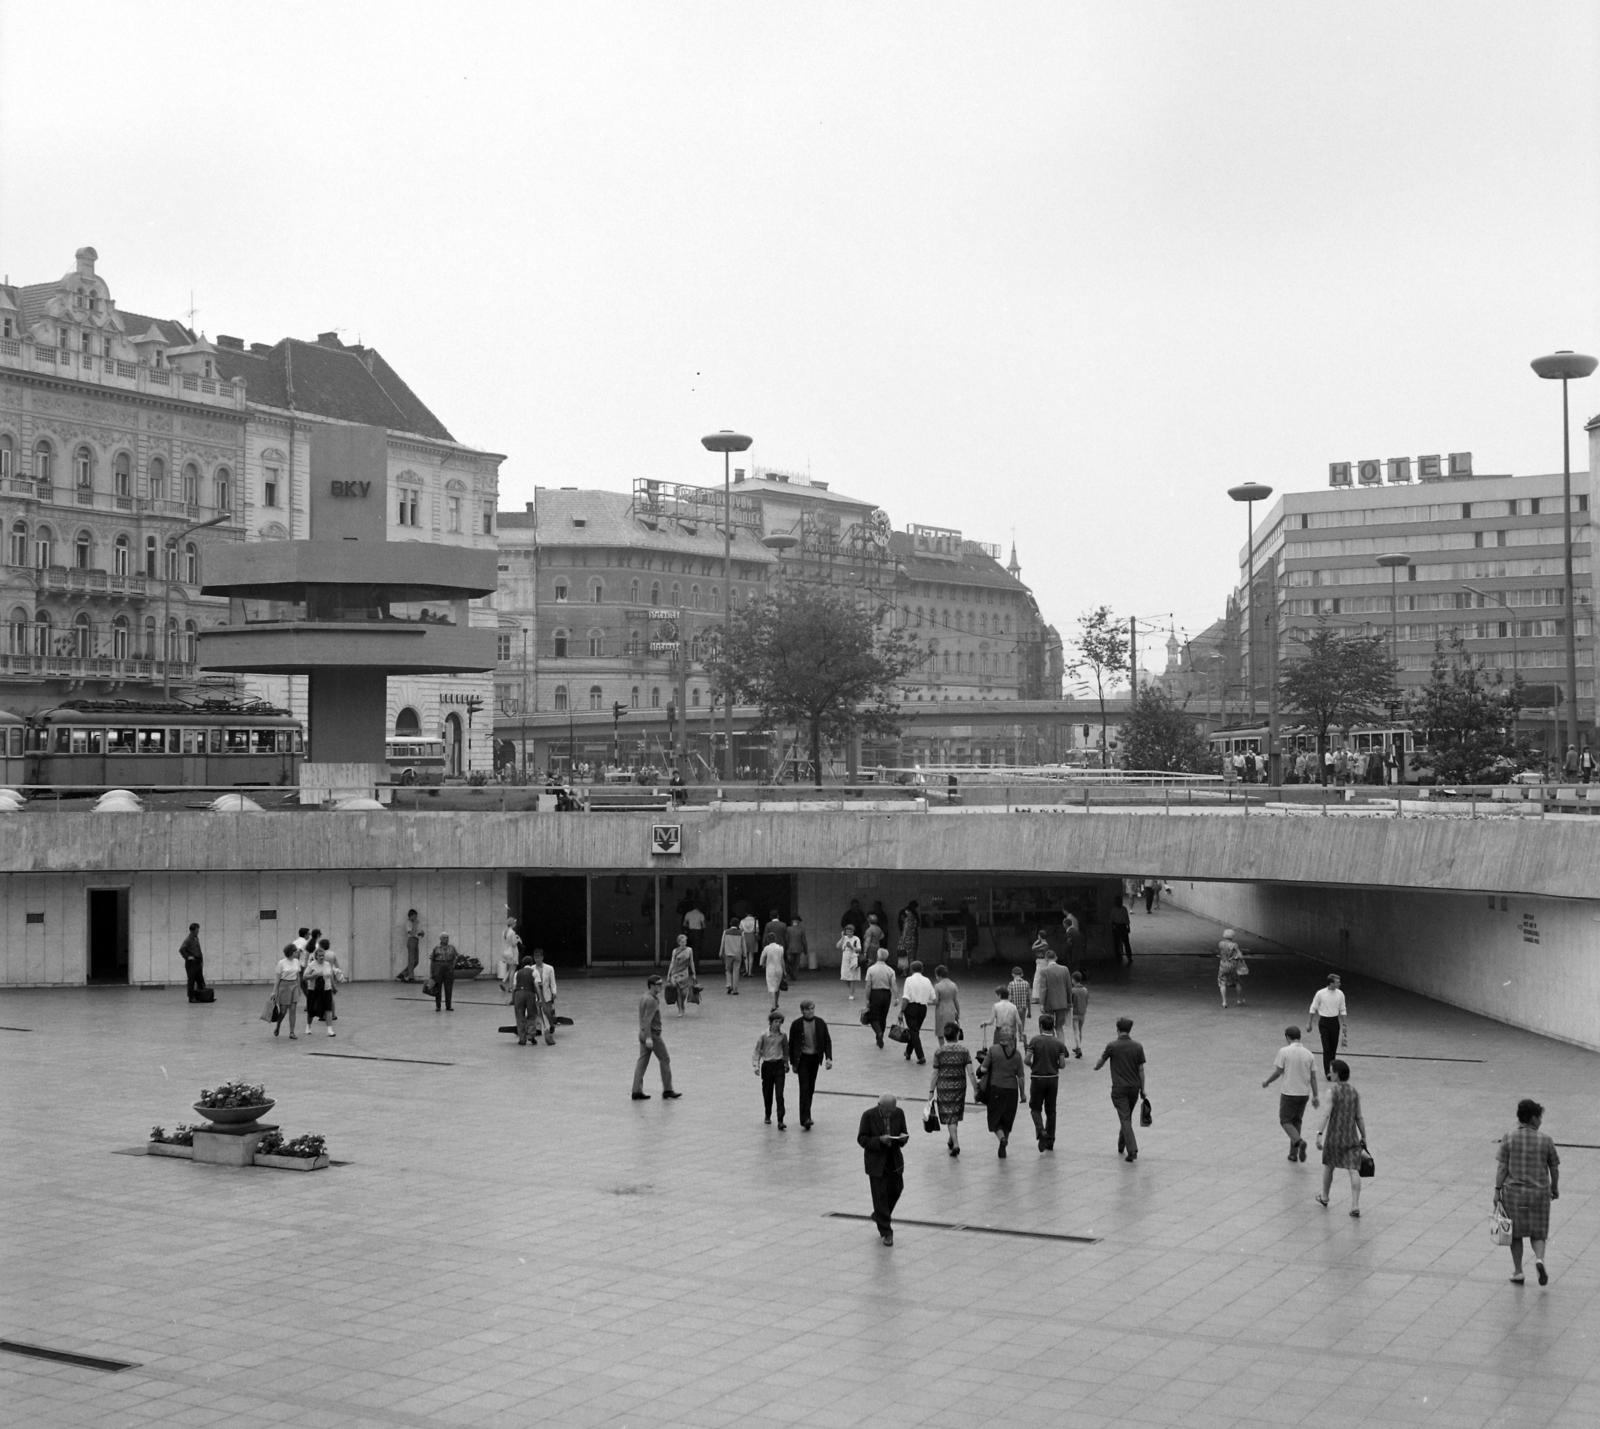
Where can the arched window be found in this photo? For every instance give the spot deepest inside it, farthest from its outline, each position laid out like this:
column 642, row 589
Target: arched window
column 947, row 662
column 122, row 474
column 694, row 696
column 694, row 597
column 597, row 592
column 919, row 617
column 560, row 645
column 120, row 556
column 19, row 631
column 44, row 547
column 44, row 456
column 655, row 698
column 407, row 724
column 172, row 563
column 83, row 550
column 224, row 489
column 655, row 592
column 119, row 638
column 633, row 592
column 191, row 484
column 561, row 590
column 41, row 632
column 716, row 597
column 17, row 551
column 633, row 642
column 158, row 481
column 83, row 469
column 561, row 697
column 191, row 564
column 694, row 650
column 633, row 698
column 149, row 637
column 597, row 643
column 7, row 456
column 81, row 637
column 150, row 568
column 677, row 596
column 191, row 642
column 595, row 697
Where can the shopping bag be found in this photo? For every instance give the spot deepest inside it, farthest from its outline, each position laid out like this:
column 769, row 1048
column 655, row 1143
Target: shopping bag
column 672, row 994
column 1500, row 1225
column 930, row 1118
column 271, row 1014
column 1146, row 1116
column 694, row 993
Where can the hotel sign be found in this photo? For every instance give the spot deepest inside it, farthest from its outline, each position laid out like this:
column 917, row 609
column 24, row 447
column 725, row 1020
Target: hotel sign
column 1372, row 471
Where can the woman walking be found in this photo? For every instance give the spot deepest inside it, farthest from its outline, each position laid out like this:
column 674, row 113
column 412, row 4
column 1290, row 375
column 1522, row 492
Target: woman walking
column 952, row 1073
column 319, row 976
column 510, row 955
column 1343, row 1136
column 850, row 959
column 1526, row 1181
column 680, row 971
column 910, row 932
column 946, row 1004
column 286, row 990
column 771, row 1061
column 1230, row 960
column 1002, row 1075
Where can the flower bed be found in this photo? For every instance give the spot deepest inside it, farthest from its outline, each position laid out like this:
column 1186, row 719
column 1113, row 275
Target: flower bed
column 304, row 1153
column 234, row 1094
column 181, row 1135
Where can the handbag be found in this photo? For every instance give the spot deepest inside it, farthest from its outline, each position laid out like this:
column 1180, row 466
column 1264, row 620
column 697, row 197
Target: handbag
column 271, row 1014
column 866, row 1017
column 672, row 994
column 783, row 984
column 981, row 1092
column 694, row 993
column 1499, row 1225
column 1368, row 1167
column 898, row 1032
column 1146, row 1116
column 930, row 1120
column 427, row 987
column 1241, row 968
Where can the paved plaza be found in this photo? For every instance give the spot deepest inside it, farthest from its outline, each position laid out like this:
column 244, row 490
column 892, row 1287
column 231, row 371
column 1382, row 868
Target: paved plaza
column 512, row 1241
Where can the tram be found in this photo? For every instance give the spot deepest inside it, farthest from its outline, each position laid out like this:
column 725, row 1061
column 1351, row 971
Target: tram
column 131, row 744
column 13, row 738
column 1356, row 743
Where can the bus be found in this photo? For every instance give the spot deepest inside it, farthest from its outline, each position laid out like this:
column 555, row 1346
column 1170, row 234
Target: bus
column 413, row 759
column 131, row 744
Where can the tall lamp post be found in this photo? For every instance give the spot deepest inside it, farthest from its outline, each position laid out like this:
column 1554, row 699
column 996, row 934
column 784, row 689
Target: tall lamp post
column 726, row 442
column 1566, row 366
column 1250, row 493
column 1395, row 560
column 166, row 614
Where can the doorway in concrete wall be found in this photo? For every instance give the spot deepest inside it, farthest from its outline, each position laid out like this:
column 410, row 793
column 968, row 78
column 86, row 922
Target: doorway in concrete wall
column 555, row 916
column 373, row 935
column 108, row 935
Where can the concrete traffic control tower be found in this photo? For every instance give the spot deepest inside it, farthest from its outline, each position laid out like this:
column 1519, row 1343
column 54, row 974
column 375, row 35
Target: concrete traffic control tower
column 348, row 608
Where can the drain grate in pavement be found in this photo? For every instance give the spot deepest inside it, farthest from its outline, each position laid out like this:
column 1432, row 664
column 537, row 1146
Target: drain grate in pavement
column 40, row 1352
column 1409, row 1057
column 970, row 1226
column 363, row 1057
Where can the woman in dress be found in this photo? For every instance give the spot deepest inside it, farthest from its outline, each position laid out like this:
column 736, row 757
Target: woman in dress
column 680, row 971
column 510, row 955
column 286, row 990
column 1527, row 1180
column 952, row 1072
column 319, row 976
column 1002, row 1071
column 910, row 932
column 1343, row 1136
column 946, row 1003
column 850, row 959
column 1229, row 958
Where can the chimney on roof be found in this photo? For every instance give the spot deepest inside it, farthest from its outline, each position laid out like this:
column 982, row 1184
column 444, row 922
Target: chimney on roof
column 328, row 339
column 261, row 349
column 529, row 505
column 236, row 343
column 86, row 260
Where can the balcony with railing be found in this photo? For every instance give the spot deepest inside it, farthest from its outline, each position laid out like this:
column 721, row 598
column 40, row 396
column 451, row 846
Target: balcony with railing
column 128, row 670
column 25, row 355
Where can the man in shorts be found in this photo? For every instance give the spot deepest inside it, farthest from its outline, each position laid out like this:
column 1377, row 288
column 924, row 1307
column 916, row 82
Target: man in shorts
column 1080, row 1010
column 1298, row 1068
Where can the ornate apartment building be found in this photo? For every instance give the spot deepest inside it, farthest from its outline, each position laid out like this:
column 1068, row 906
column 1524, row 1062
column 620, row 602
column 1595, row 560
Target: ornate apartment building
column 128, row 444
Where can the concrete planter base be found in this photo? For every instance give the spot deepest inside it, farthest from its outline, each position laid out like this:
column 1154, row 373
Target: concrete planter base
column 164, row 1148
column 291, row 1163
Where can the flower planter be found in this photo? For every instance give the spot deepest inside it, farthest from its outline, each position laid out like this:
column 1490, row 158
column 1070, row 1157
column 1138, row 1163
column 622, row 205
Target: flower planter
column 234, row 1115
column 467, row 976
column 167, row 1148
column 292, row 1163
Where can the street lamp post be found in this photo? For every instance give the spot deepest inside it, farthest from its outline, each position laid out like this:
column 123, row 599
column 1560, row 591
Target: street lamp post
column 1566, row 366
column 1250, row 493
column 166, row 614
column 726, row 442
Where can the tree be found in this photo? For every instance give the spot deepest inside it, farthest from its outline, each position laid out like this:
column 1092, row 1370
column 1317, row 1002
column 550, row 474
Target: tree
column 1161, row 735
column 1341, row 680
column 1468, row 719
column 816, row 657
column 1103, row 651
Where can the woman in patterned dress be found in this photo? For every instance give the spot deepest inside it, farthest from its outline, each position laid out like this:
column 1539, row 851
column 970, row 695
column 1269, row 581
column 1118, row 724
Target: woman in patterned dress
column 1343, row 1136
column 1524, row 1185
column 952, row 1071
column 850, row 959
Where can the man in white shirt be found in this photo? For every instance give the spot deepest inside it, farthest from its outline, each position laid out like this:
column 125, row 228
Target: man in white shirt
column 915, row 999
column 545, row 976
column 694, row 925
column 1298, row 1068
column 880, row 994
column 750, row 931
column 1328, row 1018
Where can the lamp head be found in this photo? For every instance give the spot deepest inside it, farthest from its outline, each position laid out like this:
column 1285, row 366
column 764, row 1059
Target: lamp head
column 726, row 441
column 1250, row 491
column 1394, row 559
column 1565, row 363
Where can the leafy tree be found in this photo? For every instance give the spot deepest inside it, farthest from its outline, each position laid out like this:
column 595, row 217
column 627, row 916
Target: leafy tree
column 1341, row 680
column 816, row 657
column 1467, row 717
column 1162, row 735
column 1103, row 651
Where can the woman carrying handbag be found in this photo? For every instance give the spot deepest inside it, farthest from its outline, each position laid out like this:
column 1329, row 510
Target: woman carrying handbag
column 286, row 990
column 952, row 1074
column 1343, row 1138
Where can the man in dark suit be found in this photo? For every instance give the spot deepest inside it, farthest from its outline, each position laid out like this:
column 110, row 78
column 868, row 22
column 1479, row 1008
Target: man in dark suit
column 883, row 1132
column 194, row 962
column 810, row 1047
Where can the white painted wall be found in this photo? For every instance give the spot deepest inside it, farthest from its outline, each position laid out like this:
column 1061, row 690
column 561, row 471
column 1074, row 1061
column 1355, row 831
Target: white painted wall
column 1531, row 962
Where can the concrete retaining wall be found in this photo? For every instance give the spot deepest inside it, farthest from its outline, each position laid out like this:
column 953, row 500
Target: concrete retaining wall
column 1532, row 962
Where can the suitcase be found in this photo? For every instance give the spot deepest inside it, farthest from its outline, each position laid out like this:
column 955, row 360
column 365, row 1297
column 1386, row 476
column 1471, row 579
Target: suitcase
column 206, row 994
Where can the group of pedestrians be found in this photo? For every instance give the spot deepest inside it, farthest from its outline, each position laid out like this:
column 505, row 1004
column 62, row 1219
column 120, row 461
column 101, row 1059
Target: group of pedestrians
column 308, row 968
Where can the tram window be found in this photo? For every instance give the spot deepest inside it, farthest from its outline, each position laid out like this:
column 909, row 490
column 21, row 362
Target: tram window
column 60, row 741
column 296, row 734
column 152, row 741
column 285, row 741
column 263, row 741
column 174, row 740
column 238, row 741
column 80, row 741
column 16, row 741
column 120, row 741
column 97, row 741
column 190, row 736
column 216, row 741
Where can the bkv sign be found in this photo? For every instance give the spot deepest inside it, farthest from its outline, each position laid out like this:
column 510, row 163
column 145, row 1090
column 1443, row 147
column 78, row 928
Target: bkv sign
column 1371, row 471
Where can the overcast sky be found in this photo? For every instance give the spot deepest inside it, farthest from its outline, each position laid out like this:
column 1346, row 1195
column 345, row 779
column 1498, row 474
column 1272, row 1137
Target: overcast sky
column 1067, row 271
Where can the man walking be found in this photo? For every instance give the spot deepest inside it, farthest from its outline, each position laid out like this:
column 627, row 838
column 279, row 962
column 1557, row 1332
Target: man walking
column 1055, row 995
column 880, row 994
column 525, row 1000
column 1298, row 1068
column 880, row 1137
column 1080, row 1010
column 771, row 1063
column 1047, row 1054
column 1019, row 992
column 194, row 963
column 546, row 976
column 694, row 927
column 916, row 997
column 810, row 1048
column 1120, row 946
column 442, row 972
column 1127, row 1083
column 732, row 958
column 1328, row 1018
column 650, row 1041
